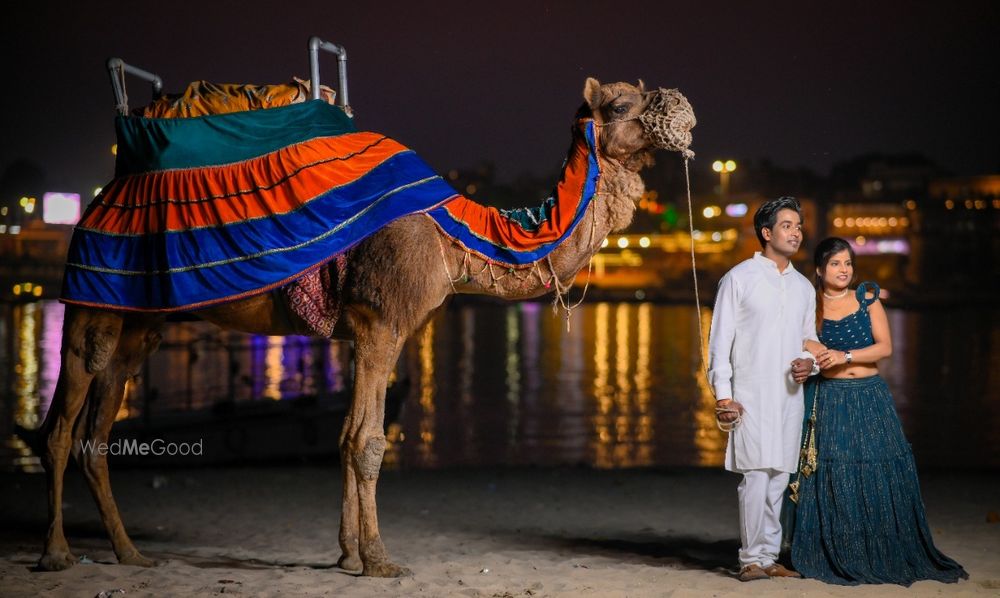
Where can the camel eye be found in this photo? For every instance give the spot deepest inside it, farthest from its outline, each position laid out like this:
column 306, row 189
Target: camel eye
column 619, row 109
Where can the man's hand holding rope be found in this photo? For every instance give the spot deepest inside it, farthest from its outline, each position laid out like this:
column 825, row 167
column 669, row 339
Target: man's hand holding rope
column 728, row 414
column 802, row 369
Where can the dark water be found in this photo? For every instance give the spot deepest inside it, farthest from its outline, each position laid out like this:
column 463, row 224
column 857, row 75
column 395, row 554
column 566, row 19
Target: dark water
column 508, row 384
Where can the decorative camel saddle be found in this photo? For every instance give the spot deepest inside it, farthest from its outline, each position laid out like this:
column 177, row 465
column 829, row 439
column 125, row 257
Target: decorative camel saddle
column 215, row 199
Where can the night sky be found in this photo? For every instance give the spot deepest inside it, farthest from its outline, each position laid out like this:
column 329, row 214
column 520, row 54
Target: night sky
column 801, row 84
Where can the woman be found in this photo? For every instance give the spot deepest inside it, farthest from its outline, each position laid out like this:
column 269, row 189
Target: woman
column 860, row 517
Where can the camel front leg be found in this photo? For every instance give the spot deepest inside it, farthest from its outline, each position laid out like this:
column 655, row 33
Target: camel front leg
column 89, row 340
column 68, row 399
column 106, row 398
column 362, row 448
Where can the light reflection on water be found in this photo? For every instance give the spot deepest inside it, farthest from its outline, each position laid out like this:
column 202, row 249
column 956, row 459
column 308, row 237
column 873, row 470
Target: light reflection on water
column 705, row 433
column 511, row 385
column 26, row 366
column 508, row 384
column 426, row 401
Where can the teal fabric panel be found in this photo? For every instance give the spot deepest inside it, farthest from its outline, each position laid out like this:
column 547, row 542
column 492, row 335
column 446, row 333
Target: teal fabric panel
column 153, row 144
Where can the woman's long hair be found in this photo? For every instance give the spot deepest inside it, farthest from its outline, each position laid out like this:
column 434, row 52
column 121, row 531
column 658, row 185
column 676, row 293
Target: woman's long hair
column 826, row 249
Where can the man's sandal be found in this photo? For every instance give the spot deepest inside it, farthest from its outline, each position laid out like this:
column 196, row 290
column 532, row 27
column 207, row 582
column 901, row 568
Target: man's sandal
column 777, row 570
column 752, row 573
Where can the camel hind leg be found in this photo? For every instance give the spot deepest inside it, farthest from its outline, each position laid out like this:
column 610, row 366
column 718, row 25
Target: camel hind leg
column 362, row 445
column 89, row 340
column 139, row 338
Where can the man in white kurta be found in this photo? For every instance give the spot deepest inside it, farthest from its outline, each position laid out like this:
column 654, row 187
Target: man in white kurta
column 764, row 311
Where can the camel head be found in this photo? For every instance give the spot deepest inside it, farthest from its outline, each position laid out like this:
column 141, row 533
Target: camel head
column 634, row 121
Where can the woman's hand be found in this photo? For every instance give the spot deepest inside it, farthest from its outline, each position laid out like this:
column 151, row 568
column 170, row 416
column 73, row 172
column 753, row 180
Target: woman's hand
column 813, row 347
column 830, row 358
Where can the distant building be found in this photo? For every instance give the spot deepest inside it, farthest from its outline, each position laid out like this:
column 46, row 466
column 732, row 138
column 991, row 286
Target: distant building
column 32, row 258
column 955, row 240
column 882, row 178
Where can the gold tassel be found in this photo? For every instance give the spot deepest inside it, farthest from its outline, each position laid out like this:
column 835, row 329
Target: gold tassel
column 794, row 487
column 808, row 455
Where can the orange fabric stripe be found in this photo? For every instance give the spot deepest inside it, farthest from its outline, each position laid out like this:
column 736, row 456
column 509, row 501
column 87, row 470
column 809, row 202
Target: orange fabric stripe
column 276, row 183
column 488, row 222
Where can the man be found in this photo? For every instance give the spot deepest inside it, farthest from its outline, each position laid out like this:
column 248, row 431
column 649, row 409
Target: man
column 764, row 312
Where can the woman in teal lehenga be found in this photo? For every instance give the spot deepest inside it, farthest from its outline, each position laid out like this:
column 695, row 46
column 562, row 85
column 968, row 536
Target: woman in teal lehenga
column 859, row 517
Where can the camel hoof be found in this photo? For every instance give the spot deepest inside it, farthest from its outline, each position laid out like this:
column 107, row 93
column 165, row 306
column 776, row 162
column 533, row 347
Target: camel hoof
column 350, row 563
column 56, row 561
column 385, row 569
column 136, row 560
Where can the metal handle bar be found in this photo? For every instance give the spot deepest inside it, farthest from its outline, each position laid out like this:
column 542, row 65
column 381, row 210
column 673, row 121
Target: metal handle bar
column 315, row 45
column 116, row 69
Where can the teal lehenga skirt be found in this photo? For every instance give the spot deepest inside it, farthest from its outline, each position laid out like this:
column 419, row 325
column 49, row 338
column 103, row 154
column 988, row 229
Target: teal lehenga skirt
column 860, row 517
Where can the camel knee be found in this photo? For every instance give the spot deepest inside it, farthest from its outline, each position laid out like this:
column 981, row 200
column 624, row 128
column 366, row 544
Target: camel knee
column 369, row 460
column 101, row 342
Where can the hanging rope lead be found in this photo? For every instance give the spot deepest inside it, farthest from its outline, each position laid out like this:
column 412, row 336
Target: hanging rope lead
column 724, row 426
column 668, row 121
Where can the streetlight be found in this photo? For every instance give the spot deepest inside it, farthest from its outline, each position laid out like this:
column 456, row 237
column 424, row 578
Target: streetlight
column 724, row 168
column 28, row 203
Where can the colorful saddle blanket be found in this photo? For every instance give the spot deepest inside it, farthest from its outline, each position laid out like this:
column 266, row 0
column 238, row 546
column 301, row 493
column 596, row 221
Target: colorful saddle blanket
column 221, row 207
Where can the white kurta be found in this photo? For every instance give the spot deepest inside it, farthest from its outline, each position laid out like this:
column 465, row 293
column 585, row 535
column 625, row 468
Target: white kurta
column 760, row 322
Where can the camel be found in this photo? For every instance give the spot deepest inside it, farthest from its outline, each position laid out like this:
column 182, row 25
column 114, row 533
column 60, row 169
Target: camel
column 395, row 280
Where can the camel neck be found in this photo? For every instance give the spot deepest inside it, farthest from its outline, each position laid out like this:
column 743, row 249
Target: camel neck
column 519, row 237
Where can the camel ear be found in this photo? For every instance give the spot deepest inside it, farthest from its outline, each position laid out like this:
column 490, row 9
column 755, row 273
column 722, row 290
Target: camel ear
column 592, row 93
column 642, row 85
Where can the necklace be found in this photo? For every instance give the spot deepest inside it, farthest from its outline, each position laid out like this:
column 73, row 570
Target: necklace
column 836, row 296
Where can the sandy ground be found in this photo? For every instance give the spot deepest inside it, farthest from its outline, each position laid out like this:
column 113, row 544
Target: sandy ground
column 507, row 533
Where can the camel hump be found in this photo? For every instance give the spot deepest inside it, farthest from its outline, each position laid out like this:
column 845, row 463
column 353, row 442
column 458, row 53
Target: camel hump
column 202, row 98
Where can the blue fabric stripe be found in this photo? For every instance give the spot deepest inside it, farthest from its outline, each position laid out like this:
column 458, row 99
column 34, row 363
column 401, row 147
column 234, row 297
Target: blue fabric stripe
column 330, row 224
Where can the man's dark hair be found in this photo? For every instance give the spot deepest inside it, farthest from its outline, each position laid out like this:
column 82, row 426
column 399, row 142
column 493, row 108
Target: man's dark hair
column 767, row 214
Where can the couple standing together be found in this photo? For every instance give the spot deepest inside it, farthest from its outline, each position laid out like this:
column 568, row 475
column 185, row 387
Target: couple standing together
column 858, row 515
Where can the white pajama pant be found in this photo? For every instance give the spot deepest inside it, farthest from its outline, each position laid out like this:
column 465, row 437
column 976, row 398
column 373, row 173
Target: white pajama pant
column 760, row 495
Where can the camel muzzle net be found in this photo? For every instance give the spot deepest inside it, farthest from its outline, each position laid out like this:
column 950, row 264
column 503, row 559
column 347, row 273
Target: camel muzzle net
column 668, row 120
